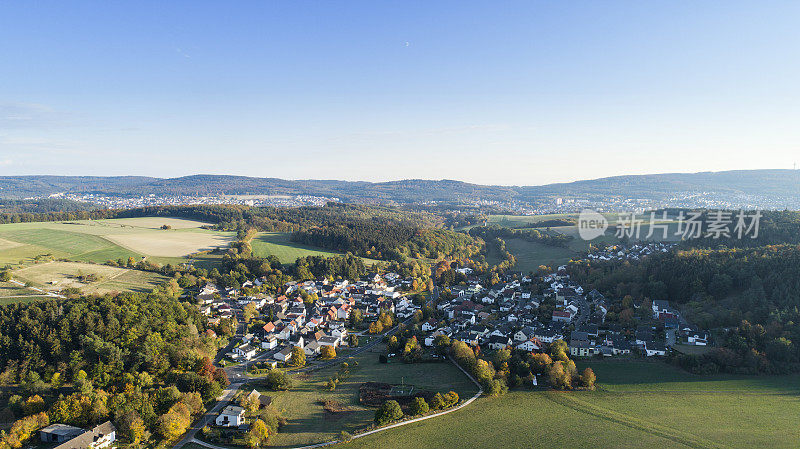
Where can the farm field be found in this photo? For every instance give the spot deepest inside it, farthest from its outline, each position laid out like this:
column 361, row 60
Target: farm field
column 100, row 240
column 55, row 276
column 280, row 245
column 637, row 404
column 309, row 423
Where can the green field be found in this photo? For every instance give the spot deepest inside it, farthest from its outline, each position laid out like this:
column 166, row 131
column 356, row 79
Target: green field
column 100, row 240
column 309, row 423
column 637, row 404
column 280, row 245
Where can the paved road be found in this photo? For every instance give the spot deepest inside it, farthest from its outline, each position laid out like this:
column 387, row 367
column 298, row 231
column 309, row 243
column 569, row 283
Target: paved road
column 238, row 377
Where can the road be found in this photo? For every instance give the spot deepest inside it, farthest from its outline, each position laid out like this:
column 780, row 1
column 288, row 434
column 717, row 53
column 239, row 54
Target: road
column 237, row 374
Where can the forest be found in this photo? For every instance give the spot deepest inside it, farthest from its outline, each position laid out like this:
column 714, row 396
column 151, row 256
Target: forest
column 141, row 360
column 752, row 292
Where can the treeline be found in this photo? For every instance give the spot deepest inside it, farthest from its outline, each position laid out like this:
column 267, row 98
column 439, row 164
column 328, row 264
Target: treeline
column 549, row 238
column 729, row 288
column 43, row 206
column 140, row 360
column 387, row 241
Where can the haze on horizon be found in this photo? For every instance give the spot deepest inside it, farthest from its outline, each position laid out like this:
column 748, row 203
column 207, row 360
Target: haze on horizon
column 518, row 93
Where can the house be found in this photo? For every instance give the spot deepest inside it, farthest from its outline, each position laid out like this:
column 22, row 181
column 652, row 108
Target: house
column 697, row 338
column 562, row 315
column 533, row 344
column 580, row 349
column 297, row 340
column 659, row 307
column 263, row 400
column 99, row 437
column 654, row 349
column 59, row 433
column 312, row 348
column 547, row 335
column 269, row 342
column 231, row 416
column 429, row 325
column 497, row 342
column 328, row 340
column 284, row 355
column 246, row 351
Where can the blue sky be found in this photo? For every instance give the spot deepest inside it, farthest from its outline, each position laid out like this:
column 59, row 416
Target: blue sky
column 512, row 93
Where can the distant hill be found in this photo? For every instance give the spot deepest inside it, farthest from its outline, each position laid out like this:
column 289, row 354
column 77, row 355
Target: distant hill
column 774, row 187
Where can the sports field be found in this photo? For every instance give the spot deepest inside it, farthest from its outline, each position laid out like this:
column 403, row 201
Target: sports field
column 308, row 421
column 637, row 404
column 101, row 240
column 280, row 245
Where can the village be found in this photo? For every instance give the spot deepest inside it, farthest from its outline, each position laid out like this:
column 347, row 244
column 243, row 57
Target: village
column 523, row 312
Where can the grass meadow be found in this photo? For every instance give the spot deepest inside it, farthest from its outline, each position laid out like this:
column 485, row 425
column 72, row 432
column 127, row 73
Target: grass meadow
column 280, row 245
column 637, row 404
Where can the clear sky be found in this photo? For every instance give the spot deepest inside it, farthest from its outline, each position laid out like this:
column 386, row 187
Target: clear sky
column 513, row 93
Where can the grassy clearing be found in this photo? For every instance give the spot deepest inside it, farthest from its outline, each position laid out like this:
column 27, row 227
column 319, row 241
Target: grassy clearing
column 280, row 245
column 55, row 276
column 638, row 404
column 309, row 423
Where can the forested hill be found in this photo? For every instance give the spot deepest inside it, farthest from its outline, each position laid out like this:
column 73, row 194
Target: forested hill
column 769, row 186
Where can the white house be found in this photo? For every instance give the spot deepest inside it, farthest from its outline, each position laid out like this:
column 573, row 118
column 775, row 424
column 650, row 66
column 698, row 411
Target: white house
column 231, row 416
column 269, row 342
column 529, row 345
column 284, row 355
column 246, row 351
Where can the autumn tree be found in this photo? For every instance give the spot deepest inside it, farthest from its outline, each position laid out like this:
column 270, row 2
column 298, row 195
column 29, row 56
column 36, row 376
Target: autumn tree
column 588, row 379
column 327, row 352
column 298, row 357
column 257, row 435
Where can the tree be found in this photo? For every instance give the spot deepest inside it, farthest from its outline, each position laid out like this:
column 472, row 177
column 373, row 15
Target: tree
column 33, row 405
column 356, row 317
column 388, row 412
column 250, row 402
column 298, row 357
column 5, row 275
column 419, row 406
column 249, row 311
column 450, row 399
column 131, row 427
column 332, row 384
column 258, row 434
column 277, row 380
column 497, row 387
column 327, row 352
column 588, row 378
column 437, row 402
column 560, row 377
column 441, row 342
column 352, row 340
